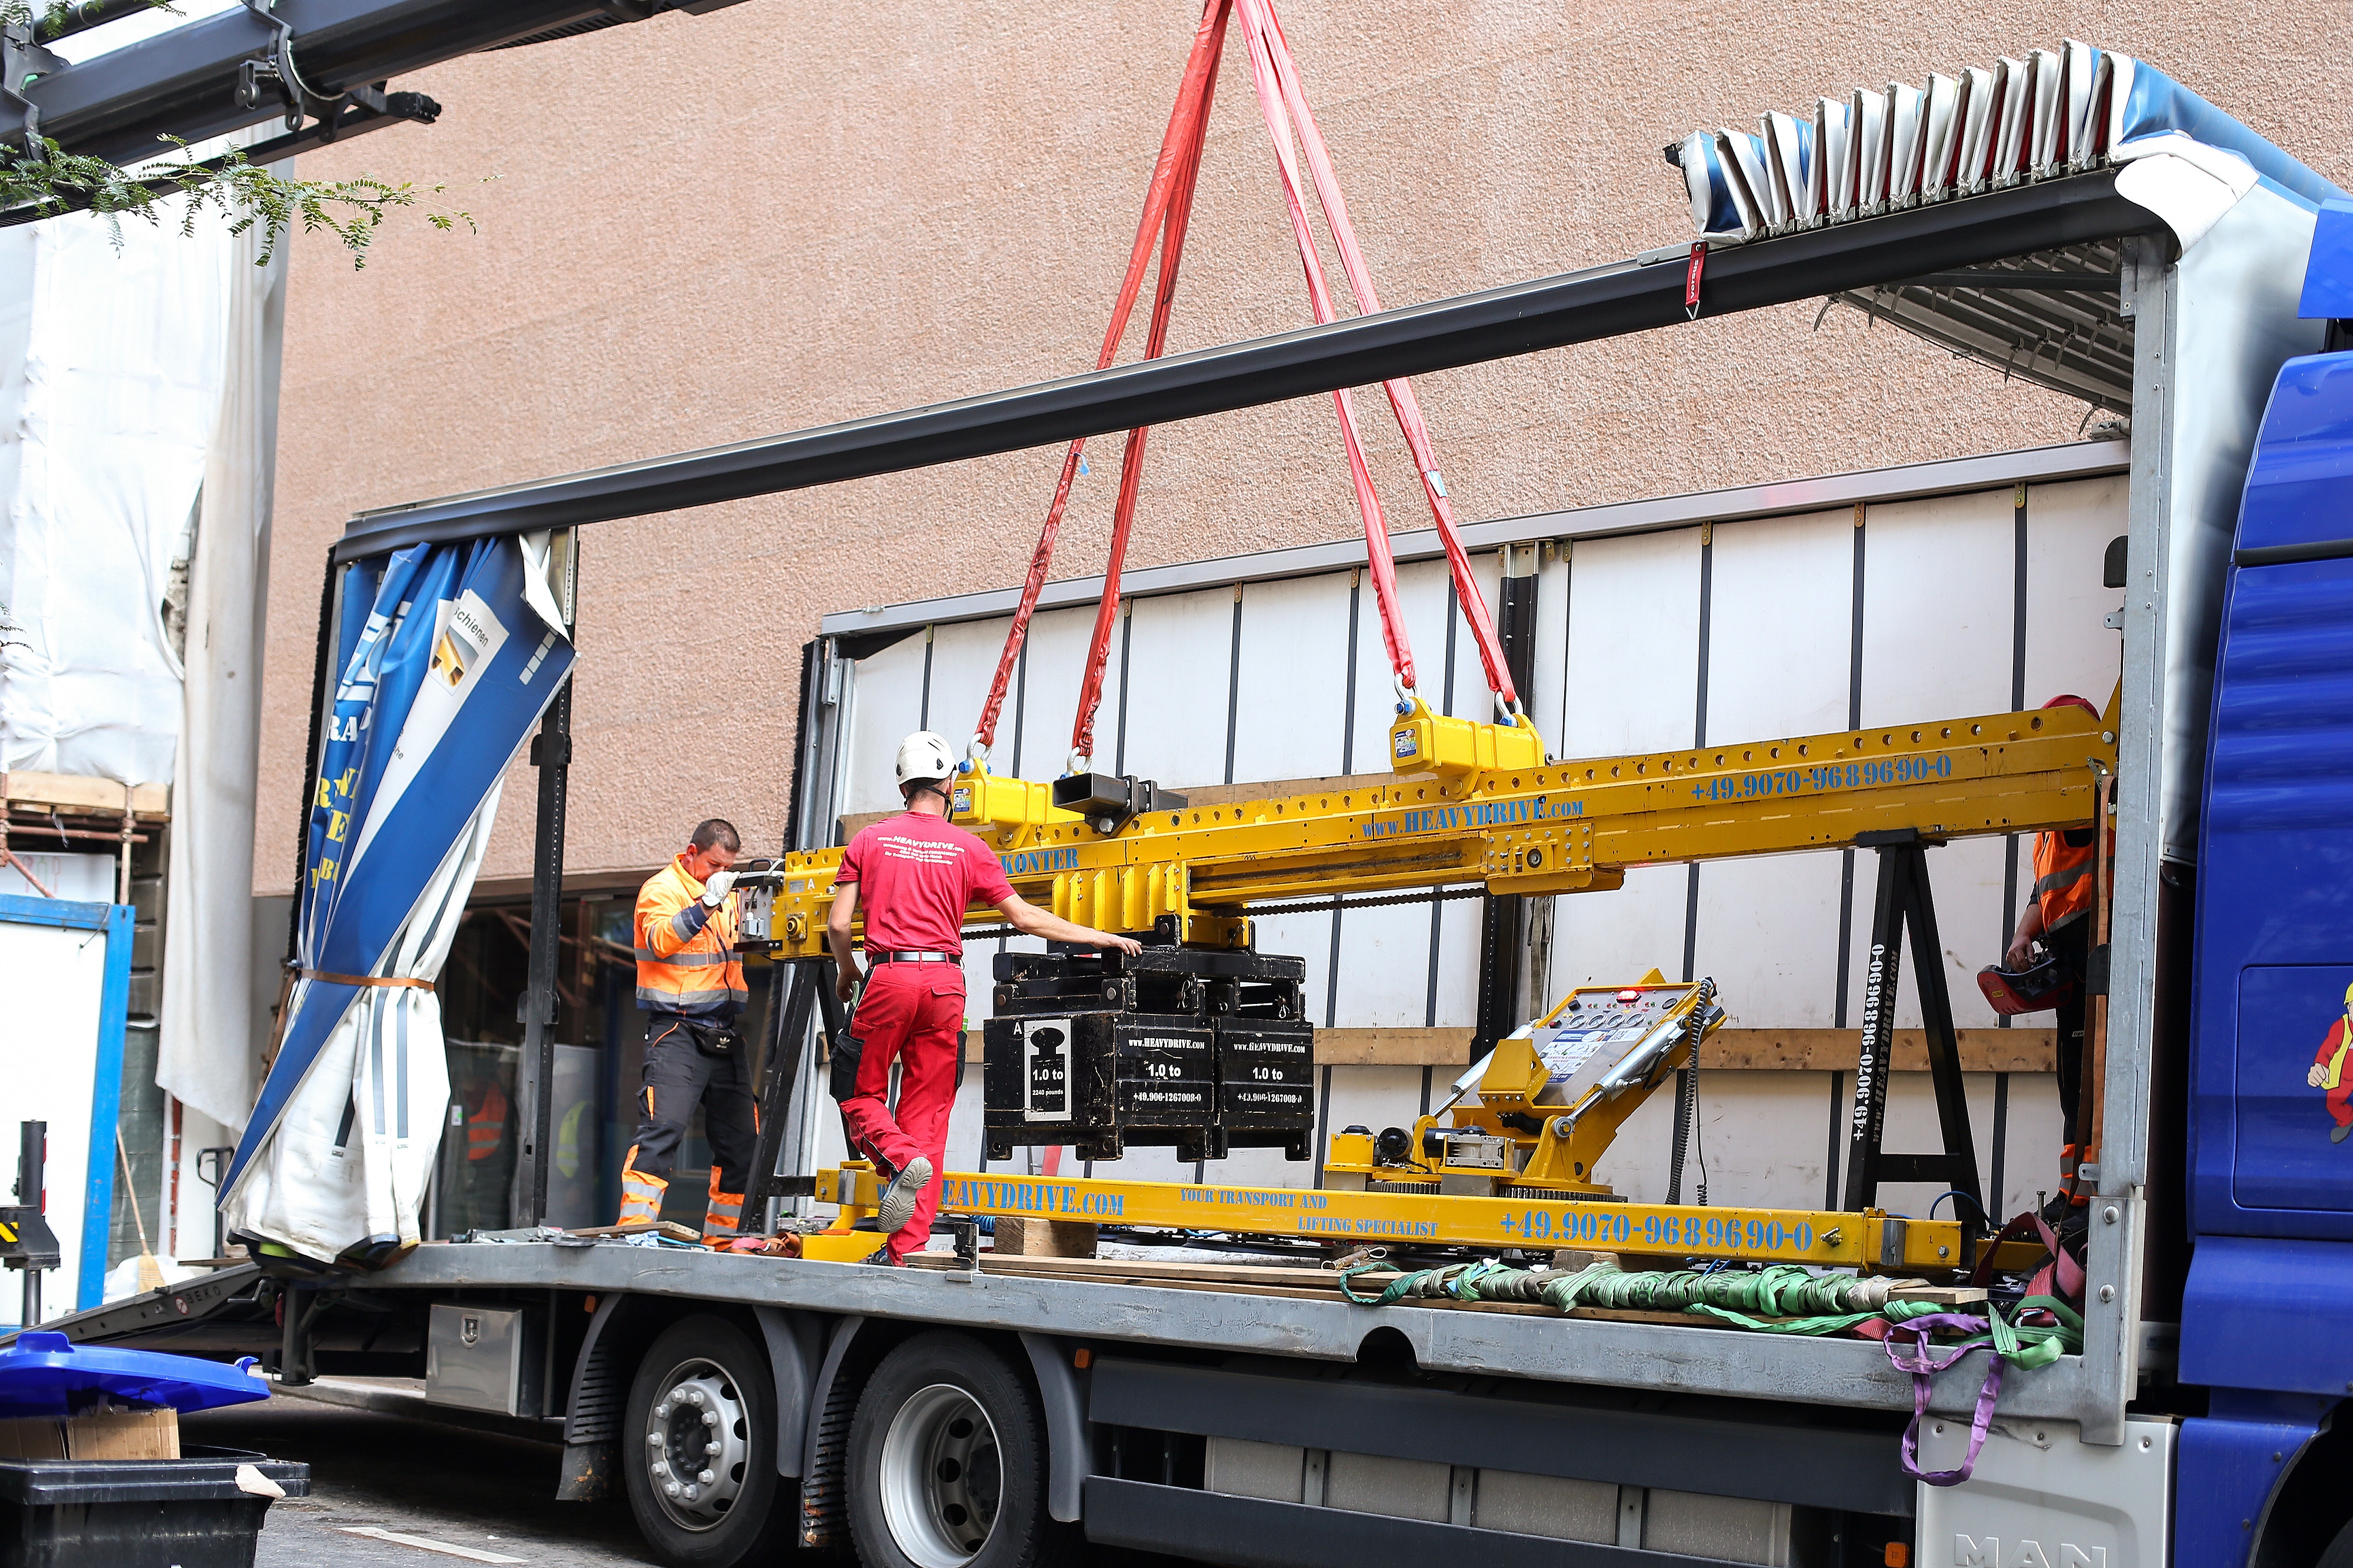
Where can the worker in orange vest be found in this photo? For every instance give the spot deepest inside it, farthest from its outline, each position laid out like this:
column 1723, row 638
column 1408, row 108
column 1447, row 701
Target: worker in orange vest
column 690, row 984
column 486, row 1127
column 2058, row 914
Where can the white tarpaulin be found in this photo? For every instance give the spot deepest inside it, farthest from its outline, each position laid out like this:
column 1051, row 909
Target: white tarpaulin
column 207, row 1057
column 107, row 411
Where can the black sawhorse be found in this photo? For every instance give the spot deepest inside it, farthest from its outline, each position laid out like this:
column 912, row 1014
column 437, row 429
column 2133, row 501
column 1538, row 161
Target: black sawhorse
column 805, row 988
column 1904, row 902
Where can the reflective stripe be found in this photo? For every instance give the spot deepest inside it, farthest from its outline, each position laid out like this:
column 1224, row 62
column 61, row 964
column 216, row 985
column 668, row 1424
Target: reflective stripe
column 723, row 1219
column 2065, row 877
column 700, row 1005
column 641, row 1195
column 685, row 960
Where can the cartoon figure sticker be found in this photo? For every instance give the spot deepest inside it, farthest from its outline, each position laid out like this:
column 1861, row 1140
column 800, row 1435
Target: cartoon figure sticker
column 2329, row 1071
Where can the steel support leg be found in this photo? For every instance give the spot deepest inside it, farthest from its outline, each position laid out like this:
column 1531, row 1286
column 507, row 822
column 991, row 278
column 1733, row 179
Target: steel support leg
column 792, row 999
column 1905, row 904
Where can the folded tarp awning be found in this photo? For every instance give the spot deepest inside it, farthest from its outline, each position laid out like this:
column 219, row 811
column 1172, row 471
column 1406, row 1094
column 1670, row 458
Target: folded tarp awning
column 2052, row 317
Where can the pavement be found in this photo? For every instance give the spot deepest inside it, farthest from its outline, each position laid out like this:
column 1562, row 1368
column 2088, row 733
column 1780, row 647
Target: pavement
column 480, row 1493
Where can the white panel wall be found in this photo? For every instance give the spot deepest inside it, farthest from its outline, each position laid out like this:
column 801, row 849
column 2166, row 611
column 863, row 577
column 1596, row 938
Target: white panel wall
column 1617, row 670
column 1938, row 619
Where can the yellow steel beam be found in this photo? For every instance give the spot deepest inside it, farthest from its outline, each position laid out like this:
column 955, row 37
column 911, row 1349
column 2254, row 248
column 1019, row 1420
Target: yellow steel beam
column 1545, row 828
column 1872, row 1241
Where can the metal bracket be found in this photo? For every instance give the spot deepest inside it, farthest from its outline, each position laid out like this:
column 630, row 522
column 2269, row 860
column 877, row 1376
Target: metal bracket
column 22, row 59
column 277, row 70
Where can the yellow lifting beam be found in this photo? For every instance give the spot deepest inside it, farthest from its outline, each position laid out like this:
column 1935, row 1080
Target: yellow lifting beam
column 1477, row 803
column 1871, row 1242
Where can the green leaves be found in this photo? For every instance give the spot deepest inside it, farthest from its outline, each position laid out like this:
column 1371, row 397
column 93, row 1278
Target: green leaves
column 248, row 194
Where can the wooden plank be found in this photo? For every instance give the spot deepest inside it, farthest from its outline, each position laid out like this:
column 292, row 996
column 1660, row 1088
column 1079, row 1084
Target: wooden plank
column 1836, row 1050
column 88, row 796
column 1393, row 1047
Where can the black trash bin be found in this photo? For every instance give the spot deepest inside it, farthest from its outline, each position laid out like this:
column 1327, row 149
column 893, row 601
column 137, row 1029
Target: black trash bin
column 188, row 1513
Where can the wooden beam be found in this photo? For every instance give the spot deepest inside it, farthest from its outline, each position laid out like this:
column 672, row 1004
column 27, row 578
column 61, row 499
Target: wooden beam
column 1392, row 1048
column 1747, row 1050
column 1835, row 1050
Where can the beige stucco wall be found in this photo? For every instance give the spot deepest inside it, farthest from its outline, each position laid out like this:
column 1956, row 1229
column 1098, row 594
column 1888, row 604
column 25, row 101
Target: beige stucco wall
column 697, row 230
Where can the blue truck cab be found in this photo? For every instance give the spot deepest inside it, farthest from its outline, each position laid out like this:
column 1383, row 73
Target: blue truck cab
column 2269, row 1172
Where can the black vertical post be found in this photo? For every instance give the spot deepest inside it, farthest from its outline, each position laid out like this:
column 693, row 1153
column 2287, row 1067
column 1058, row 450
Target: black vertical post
column 1905, row 901
column 551, row 755
column 1882, row 962
column 792, row 998
column 1500, row 917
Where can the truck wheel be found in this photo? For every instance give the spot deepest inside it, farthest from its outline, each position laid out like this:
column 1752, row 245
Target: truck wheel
column 698, row 1448
column 948, row 1462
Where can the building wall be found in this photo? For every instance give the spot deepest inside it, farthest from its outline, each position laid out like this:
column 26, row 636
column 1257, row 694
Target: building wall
column 698, row 230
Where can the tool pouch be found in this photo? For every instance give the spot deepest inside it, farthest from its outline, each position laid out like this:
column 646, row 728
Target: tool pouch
column 841, row 1075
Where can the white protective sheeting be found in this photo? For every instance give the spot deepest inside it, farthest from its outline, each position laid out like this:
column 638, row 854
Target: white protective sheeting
column 207, row 1059
column 106, row 417
column 354, row 1148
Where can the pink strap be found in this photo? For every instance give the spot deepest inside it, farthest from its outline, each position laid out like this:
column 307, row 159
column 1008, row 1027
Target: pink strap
column 1924, row 1362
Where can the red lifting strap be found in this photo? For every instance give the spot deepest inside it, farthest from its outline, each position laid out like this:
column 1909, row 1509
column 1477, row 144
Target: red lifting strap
column 1167, row 208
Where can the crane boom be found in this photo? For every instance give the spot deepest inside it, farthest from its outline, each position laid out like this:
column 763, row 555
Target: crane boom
column 1192, row 873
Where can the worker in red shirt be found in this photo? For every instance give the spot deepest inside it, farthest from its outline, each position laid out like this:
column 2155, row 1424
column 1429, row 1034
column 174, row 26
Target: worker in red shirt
column 912, row 876
column 2328, row 1072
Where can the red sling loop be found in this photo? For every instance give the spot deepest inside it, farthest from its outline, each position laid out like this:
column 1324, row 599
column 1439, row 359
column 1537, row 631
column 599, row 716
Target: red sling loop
column 1168, row 209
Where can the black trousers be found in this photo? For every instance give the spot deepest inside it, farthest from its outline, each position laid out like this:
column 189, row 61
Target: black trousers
column 678, row 1077
column 2070, row 943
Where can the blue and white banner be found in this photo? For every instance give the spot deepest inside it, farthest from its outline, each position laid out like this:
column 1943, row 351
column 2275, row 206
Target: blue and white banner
column 448, row 656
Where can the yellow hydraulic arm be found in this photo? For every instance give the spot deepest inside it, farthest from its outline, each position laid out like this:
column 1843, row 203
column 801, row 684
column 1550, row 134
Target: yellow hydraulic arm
column 1479, row 803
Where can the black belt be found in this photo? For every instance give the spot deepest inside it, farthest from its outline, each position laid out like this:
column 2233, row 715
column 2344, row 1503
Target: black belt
column 914, row 958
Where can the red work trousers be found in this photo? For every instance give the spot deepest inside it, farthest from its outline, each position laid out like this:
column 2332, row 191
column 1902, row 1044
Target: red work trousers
column 912, row 1014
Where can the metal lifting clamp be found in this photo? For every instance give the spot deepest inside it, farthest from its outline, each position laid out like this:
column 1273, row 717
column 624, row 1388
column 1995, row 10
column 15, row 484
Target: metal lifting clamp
column 275, row 72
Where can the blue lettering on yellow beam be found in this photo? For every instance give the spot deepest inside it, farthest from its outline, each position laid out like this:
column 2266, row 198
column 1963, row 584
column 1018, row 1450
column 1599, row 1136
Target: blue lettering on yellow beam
column 1824, row 778
column 1472, row 814
column 1036, row 862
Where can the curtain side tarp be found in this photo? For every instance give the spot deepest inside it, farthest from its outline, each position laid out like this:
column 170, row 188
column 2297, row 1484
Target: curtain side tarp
column 209, row 1056
column 447, row 655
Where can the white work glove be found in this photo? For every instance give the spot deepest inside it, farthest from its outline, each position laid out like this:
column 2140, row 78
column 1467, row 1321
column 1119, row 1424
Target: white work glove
column 715, row 890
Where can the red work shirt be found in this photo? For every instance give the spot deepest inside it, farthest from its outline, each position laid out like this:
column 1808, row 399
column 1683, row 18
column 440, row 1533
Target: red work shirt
column 916, row 874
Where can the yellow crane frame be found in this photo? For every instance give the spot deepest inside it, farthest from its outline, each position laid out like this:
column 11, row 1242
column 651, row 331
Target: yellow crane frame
column 1480, row 804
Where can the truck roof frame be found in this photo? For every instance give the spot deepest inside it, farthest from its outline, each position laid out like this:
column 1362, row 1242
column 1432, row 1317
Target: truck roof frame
column 1615, row 299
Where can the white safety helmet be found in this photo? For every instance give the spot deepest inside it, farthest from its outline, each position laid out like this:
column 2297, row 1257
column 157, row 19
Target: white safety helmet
column 925, row 758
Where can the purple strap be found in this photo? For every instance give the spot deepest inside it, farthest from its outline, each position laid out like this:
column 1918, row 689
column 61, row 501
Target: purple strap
column 1923, row 1362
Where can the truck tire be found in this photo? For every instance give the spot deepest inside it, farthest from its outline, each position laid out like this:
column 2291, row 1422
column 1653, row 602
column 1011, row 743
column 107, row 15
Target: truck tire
column 948, row 1462
column 703, row 1386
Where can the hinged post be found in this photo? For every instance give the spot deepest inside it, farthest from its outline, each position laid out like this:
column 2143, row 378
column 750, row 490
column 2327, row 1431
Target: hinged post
column 551, row 755
column 1904, row 903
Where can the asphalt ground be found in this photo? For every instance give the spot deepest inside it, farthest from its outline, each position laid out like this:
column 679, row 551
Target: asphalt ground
column 445, row 1485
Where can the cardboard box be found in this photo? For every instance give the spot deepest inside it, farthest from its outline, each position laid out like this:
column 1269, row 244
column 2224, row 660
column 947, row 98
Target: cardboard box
column 117, row 1433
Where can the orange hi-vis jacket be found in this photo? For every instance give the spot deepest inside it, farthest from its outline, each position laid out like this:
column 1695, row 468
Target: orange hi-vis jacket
column 686, row 950
column 2063, row 883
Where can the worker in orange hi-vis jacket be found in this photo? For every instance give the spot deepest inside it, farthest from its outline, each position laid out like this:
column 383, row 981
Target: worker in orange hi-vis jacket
column 2058, row 914
column 690, row 984
column 913, row 876
column 2329, row 1071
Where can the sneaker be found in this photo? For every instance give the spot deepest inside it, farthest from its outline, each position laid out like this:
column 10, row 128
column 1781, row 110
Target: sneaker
column 899, row 1197
column 2337, row 1134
